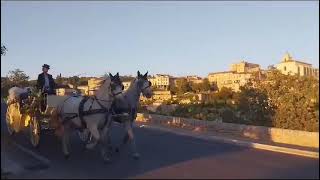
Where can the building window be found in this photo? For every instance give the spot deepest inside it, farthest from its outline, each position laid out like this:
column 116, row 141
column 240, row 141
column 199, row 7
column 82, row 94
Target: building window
column 309, row 72
column 285, row 68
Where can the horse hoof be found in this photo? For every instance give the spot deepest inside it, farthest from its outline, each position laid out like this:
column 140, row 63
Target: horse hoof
column 136, row 156
column 106, row 160
column 90, row 145
column 66, row 156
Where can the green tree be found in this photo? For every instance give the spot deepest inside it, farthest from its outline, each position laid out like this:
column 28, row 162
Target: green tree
column 294, row 100
column 195, row 87
column 173, row 89
column 126, row 78
column 6, row 84
column 59, row 79
column 14, row 78
column 75, row 81
column 83, row 81
column 18, row 78
column 253, row 105
column 200, row 87
column 3, row 50
column 182, row 86
column 205, row 85
column 224, row 94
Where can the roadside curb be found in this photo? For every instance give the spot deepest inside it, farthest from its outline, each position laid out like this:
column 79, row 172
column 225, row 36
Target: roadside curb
column 13, row 168
column 10, row 167
column 34, row 155
column 286, row 150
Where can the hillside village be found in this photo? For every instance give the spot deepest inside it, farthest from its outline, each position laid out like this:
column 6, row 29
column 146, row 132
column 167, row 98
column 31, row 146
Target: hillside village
column 165, row 86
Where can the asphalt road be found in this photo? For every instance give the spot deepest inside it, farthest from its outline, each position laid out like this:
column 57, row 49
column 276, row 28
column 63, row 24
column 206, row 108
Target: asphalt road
column 165, row 155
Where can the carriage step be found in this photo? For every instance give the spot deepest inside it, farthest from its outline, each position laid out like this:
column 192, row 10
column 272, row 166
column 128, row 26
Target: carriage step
column 44, row 125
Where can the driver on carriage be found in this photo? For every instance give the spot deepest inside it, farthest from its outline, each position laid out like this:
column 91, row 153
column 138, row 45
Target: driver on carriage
column 45, row 81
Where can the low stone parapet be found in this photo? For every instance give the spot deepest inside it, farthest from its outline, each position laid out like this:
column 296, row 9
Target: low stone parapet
column 277, row 135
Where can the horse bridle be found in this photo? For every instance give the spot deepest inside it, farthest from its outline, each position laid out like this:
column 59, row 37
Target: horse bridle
column 147, row 86
column 113, row 87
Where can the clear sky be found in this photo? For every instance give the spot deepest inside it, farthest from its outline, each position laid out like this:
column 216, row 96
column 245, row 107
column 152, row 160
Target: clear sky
column 177, row 38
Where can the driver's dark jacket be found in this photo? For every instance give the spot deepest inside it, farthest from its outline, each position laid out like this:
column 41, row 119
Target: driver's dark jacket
column 41, row 82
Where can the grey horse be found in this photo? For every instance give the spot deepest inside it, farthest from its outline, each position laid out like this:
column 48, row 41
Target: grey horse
column 91, row 113
column 128, row 102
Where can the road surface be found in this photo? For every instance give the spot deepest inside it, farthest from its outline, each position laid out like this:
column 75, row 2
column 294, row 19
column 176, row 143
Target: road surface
column 163, row 155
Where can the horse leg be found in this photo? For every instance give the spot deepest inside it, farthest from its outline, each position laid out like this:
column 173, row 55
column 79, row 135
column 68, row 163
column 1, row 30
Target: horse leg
column 96, row 136
column 124, row 141
column 107, row 134
column 132, row 141
column 125, row 138
column 65, row 142
column 105, row 141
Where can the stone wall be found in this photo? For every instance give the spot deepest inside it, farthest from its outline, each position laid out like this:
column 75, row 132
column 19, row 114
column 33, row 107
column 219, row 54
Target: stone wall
column 277, row 135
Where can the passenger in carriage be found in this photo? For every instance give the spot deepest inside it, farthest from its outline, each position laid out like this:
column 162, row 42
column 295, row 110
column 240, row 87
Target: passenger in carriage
column 45, row 81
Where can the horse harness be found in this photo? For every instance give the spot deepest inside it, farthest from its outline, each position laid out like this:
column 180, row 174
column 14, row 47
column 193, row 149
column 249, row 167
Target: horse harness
column 83, row 113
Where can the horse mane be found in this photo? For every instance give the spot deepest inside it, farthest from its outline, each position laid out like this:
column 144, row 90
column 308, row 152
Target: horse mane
column 133, row 83
column 106, row 82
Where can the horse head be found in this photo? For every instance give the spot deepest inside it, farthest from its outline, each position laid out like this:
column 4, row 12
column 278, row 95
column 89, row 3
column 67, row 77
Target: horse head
column 144, row 84
column 116, row 84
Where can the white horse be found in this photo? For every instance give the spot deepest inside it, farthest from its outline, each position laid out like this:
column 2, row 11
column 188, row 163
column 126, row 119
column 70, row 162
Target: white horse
column 91, row 113
column 16, row 92
column 128, row 102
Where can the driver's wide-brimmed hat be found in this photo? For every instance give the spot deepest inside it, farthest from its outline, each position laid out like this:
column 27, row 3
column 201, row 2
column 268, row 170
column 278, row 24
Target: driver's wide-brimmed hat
column 46, row 66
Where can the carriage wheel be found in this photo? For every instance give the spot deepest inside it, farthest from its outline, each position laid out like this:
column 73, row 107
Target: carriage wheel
column 9, row 122
column 34, row 131
column 13, row 118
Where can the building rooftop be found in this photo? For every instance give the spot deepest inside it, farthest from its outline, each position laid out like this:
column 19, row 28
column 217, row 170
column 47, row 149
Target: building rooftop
column 194, row 77
column 221, row 72
column 233, row 72
column 288, row 58
column 158, row 75
column 295, row 62
column 162, row 75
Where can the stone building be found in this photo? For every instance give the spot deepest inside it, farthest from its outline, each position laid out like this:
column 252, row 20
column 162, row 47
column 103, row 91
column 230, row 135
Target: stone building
column 290, row 66
column 239, row 75
column 159, row 96
column 162, row 81
column 194, row 79
column 126, row 84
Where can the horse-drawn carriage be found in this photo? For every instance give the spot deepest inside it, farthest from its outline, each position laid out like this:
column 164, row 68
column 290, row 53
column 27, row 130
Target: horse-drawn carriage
column 33, row 111
column 92, row 114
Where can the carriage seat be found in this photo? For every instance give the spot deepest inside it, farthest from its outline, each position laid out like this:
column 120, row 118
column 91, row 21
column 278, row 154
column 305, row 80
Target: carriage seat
column 52, row 101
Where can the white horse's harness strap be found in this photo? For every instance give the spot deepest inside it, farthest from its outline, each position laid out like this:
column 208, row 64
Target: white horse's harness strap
column 90, row 112
column 86, row 113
